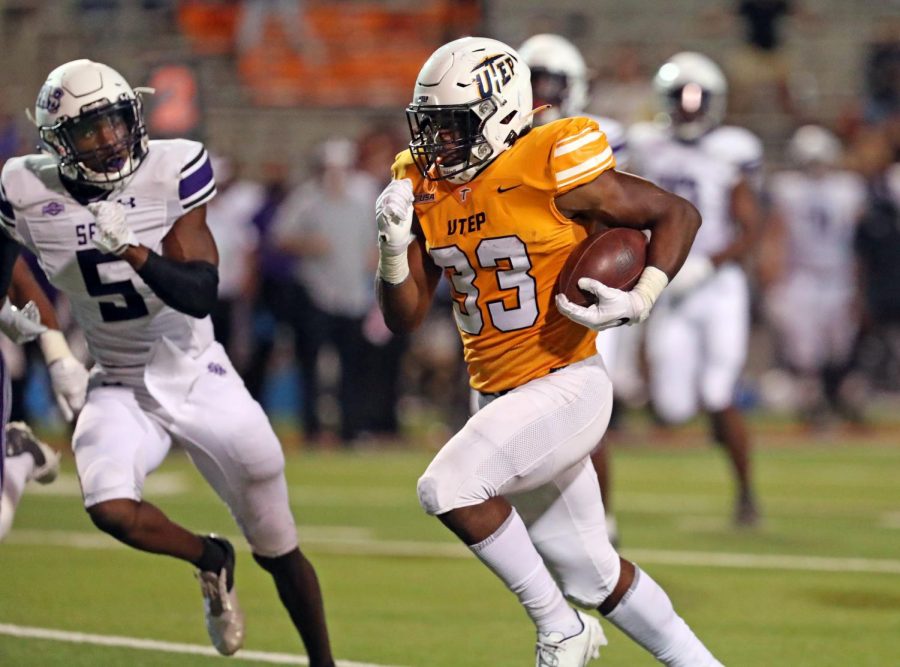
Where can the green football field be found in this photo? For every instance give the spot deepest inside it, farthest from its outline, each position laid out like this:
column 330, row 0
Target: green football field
column 817, row 584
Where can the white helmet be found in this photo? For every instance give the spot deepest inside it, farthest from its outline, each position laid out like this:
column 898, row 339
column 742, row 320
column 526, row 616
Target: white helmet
column 813, row 145
column 81, row 97
column 692, row 91
column 558, row 76
column 471, row 102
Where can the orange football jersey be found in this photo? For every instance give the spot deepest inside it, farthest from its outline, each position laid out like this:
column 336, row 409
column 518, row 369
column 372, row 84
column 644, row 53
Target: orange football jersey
column 501, row 243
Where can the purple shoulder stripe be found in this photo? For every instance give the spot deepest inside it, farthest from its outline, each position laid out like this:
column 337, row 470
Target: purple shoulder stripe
column 198, row 180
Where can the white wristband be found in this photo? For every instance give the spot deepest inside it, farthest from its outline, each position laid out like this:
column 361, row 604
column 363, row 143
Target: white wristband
column 392, row 269
column 54, row 346
column 651, row 284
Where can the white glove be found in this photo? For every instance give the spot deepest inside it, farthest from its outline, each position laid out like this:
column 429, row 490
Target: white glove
column 394, row 215
column 21, row 325
column 113, row 233
column 68, row 377
column 615, row 307
column 695, row 270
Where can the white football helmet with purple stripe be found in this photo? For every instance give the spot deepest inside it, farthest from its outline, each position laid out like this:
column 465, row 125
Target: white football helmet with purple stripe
column 83, row 97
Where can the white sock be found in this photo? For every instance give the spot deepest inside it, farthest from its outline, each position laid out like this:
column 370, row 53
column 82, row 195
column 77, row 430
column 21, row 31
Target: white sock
column 510, row 554
column 16, row 470
column 646, row 615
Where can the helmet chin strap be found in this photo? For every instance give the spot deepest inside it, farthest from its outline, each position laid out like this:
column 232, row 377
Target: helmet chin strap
column 433, row 176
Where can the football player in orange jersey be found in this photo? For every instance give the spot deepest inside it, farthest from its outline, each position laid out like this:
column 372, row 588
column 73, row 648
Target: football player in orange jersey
column 496, row 206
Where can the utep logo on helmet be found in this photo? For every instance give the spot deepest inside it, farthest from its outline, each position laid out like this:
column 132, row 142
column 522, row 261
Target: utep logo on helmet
column 49, row 97
column 493, row 73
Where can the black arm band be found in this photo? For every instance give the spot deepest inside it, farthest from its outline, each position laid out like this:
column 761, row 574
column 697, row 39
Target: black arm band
column 188, row 287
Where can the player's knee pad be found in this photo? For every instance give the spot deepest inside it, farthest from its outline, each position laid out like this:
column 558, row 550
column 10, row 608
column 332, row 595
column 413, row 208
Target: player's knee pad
column 107, row 479
column 440, row 492
column 255, row 449
column 427, row 490
column 274, row 536
column 265, row 467
column 264, row 516
column 591, row 593
column 587, row 570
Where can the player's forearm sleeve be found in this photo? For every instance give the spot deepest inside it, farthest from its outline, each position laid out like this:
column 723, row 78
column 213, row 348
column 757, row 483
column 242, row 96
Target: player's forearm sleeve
column 188, row 287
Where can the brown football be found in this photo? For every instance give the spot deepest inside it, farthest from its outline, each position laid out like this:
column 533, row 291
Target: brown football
column 614, row 256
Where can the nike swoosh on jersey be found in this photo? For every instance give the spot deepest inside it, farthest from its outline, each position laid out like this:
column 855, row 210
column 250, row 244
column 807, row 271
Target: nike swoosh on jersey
column 501, row 189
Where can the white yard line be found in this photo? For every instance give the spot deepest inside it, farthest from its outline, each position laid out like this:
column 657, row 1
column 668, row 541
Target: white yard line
column 162, row 647
column 764, row 561
column 346, row 540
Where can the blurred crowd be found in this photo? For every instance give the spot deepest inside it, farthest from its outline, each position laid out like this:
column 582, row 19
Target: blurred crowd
column 297, row 246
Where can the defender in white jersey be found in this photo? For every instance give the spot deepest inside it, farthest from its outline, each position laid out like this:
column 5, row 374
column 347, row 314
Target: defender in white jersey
column 559, row 82
column 118, row 223
column 697, row 339
column 817, row 207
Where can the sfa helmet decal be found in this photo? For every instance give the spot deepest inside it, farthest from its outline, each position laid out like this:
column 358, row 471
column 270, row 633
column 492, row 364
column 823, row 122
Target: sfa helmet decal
column 49, row 97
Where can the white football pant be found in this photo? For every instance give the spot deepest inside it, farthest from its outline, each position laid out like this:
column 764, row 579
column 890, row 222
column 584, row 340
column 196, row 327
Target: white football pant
column 531, row 446
column 697, row 346
column 125, row 432
column 814, row 321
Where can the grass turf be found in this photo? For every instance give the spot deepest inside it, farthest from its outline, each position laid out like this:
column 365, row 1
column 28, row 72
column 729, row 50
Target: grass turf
column 399, row 591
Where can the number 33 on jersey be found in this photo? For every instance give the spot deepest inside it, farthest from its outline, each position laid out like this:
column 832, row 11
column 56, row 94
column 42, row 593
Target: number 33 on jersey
column 501, row 242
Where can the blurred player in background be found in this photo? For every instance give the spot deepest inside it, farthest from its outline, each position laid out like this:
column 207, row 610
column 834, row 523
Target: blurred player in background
column 118, row 223
column 559, row 78
column 496, row 206
column 812, row 306
column 230, row 218
column 698, row 335
column 321, row 224
column 23, row 457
